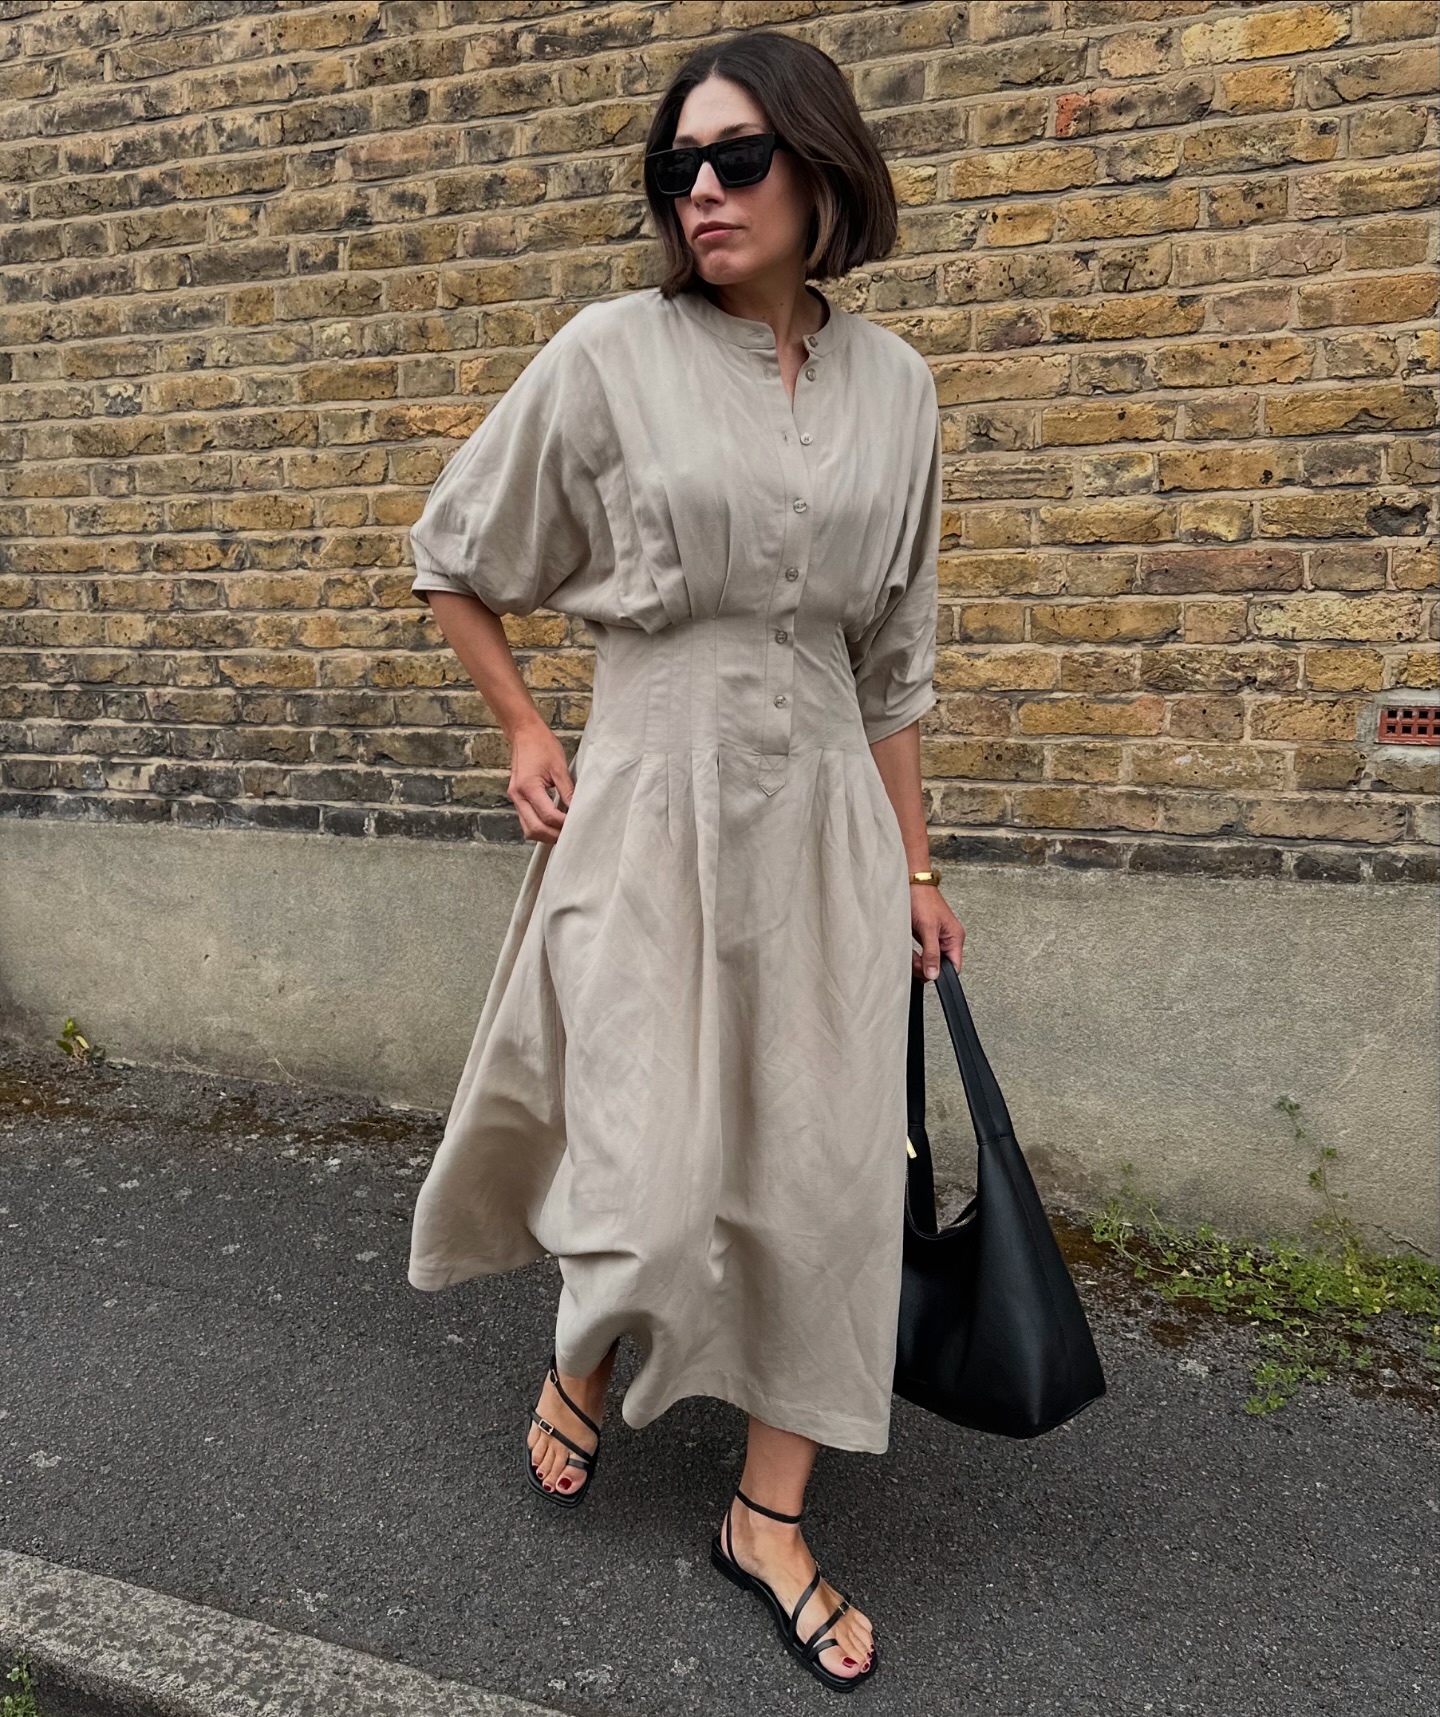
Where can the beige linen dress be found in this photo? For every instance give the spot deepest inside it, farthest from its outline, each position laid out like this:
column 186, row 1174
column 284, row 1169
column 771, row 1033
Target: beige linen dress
column 688, row 1079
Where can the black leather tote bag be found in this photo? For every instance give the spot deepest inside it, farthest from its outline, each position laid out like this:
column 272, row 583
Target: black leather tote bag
column 992, row 1332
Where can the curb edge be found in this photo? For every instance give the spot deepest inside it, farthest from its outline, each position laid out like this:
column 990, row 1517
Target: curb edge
column 112, row 1649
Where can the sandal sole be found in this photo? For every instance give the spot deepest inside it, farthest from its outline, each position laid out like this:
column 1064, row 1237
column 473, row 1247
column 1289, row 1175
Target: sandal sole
column 737, row 1576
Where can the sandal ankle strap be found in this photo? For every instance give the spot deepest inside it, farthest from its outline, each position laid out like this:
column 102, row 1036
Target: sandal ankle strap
column 760, row 1508
column 560, row 1390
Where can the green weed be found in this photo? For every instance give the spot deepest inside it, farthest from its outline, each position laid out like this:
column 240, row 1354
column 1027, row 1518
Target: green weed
column 21, row 1704
column 80, row 1048
column 1315, row 1301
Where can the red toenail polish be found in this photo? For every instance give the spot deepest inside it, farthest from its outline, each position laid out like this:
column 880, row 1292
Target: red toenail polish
column 564, row 1484
column 850, row 1661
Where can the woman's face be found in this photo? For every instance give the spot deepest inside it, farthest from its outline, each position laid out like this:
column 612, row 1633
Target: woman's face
column 754, row 228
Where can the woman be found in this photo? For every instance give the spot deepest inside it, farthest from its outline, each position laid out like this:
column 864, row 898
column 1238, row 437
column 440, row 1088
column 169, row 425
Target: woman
column 687, row 1082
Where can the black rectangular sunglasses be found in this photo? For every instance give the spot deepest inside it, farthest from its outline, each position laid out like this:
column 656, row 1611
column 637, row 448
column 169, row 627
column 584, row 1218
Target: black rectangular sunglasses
column 736, row 160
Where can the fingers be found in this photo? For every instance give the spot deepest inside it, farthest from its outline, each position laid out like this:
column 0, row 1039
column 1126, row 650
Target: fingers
column 541, row 819
column 930, row 950
column 938, row 931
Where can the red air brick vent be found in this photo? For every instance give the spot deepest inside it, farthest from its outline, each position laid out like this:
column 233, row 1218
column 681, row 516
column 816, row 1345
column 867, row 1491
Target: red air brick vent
column 1409, row 724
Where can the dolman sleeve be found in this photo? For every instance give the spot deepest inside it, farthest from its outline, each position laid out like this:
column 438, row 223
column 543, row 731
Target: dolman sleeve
column 893, row 656
column 516, row 512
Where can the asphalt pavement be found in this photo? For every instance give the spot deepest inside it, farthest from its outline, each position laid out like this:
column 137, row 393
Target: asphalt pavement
column 218, row 1385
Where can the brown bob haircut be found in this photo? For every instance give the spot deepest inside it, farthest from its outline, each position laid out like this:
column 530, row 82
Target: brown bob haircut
column 806, row 100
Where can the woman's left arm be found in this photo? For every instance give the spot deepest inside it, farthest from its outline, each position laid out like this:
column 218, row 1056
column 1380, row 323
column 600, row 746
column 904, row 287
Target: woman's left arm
column 935, row 926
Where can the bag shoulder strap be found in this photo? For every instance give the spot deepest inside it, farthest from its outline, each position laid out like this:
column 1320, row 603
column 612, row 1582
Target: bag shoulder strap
column 982, row 1090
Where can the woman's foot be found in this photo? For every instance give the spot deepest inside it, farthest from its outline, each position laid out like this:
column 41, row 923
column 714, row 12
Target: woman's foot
column 776, row 1553
column 548, row 1455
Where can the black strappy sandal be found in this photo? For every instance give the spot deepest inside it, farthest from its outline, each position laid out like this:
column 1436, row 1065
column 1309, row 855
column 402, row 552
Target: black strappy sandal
column 808, row 1651
column 583, row 1458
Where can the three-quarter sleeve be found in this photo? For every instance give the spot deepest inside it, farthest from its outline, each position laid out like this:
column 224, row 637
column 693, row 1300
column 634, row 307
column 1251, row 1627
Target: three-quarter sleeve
column 894, row 655
column 516, row 511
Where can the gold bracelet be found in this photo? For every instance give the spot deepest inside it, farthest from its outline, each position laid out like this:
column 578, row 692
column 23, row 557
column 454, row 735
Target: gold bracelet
column 930, row 876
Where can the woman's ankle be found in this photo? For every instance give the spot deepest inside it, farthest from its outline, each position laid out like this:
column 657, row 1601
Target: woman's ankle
column 603, row 1368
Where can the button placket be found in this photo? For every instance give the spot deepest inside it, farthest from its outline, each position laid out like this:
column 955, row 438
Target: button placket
column 780, row 642
column 779, row 645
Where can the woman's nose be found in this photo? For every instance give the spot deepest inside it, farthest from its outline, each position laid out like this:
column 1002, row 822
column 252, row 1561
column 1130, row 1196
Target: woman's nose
column 706, row 183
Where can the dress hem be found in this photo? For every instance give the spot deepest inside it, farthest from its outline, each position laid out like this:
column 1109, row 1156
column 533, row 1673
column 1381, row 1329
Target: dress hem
column 859, row 1436
column 451, row 1276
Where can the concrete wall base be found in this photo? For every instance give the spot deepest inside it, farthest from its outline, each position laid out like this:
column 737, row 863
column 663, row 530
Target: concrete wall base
column 1148, row 1020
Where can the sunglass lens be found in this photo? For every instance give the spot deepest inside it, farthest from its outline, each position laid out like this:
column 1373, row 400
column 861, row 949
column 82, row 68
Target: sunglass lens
column 743, row 160
column 675, row 170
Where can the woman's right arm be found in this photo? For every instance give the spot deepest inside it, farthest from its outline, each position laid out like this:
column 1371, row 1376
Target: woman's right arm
column 537, row 759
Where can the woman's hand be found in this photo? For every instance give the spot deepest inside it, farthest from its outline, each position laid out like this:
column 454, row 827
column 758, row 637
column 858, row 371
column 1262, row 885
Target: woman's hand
column 537, row 763
column 537, row 758
column 936, row 928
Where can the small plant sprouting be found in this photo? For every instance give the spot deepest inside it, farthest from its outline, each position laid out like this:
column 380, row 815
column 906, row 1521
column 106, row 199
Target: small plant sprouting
column 80, row 1049
column 1319, row 1176
column 21, row 1704
column 1312, row 1302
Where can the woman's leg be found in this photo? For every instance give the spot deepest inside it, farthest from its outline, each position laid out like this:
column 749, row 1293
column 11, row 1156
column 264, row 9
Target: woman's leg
column 548, row 1454
column 777, row 1469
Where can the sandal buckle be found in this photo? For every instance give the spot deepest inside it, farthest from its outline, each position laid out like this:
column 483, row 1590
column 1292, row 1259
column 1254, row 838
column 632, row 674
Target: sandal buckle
column 546, row 1426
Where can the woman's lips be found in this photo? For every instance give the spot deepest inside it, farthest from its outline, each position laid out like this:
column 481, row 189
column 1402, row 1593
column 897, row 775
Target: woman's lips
column 713, row 232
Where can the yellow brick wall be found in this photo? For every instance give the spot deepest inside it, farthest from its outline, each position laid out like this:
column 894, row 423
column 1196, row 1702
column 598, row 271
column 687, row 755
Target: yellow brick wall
column 264, row 265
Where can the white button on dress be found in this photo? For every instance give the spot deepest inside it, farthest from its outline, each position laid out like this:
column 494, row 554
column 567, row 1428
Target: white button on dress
column 688, row 1078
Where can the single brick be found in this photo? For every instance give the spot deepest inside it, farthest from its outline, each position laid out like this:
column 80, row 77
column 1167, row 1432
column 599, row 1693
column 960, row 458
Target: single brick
column 1125, row 318
column 1268, row 143
column 1327, row 768
column 1369, row 619
column 1017, row 669
column 1162, row 764
column 1002, row 174
column 1110, row 622
column 960, row 805
column 1335, row 516
column 1206, row 718
column 1388, row 298
column 1186, row 669
column 1127, row 213
column 982, row 759
column 1102, row 421
column 1083, row 760
column 1085, row 808
column 1397, row 72
column 1099, row 671
column 1307, row 718
column 1119, row 716
column 1394, row 20
column 1229, row 468
column 1108, row 522
column 1338, row 819
column 1347, row 566
column 1234, row 363
column 1367, row 190
column 1323, row 411
column 1265, row 35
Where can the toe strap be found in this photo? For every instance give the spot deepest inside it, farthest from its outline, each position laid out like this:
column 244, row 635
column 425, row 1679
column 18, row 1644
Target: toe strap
column 587, row 1455
column 800, row 1604
column 815, row 1645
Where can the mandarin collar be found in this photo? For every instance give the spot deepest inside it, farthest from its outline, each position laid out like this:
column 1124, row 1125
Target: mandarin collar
column 760, row 336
